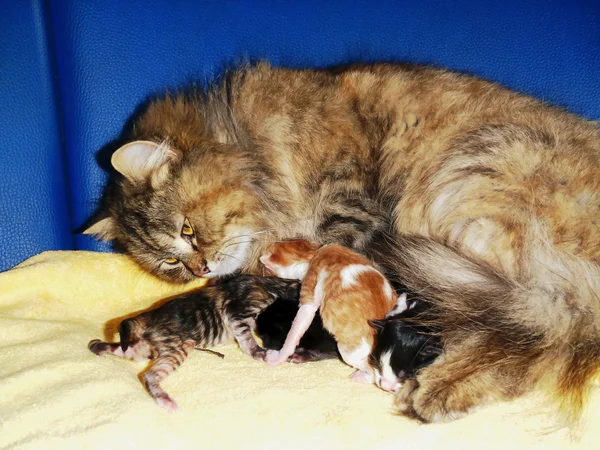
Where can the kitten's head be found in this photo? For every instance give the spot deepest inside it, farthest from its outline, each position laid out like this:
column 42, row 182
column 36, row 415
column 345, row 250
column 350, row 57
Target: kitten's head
column 400, row 351
column 184, row 206
column 289, row 258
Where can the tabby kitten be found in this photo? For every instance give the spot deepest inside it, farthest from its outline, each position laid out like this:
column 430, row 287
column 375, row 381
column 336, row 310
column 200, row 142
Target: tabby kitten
column 480, row 199
column 204, row 318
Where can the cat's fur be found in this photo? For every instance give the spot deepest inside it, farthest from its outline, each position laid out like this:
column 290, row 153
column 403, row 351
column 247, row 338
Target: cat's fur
column 344, row 287
column 204, row 318
column 483, row 200
column 403, row 346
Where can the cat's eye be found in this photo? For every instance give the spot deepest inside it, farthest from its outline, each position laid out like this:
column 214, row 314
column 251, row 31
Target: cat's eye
column 187, row 229
column 171, row 260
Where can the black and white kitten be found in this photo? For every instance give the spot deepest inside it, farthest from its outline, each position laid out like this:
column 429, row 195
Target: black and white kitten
column 402, row 346
column 273, row 326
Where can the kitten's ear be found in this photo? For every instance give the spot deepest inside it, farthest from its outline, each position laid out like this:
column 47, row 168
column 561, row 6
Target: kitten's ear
column 401, row 305
column 430, row 352
column 377, row 324
column 125, row 332
column 103, row 227
column 293, row 292
column 138, row 160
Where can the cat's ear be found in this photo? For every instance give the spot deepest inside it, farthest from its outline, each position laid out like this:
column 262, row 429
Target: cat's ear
column 103, row 227
column 377, row 324
column 139, row 160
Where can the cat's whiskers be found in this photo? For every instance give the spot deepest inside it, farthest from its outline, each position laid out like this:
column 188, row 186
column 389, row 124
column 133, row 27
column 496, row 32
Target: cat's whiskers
column 237, row 243
column 259, row 233
column 275, row 229
column 239, row 236
column 227, row 255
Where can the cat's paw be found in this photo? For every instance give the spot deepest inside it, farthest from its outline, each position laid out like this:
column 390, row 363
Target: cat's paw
column 167, row 403
column 405, row 400
column 360, row 376
column 274, row 357
column 443, row 406
column 434, row 402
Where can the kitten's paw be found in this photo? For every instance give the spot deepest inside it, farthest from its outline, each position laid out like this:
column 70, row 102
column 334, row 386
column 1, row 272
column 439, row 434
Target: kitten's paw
column 94, row 345
column 300, row 357
column 274, row 357
column 167, row 403
column 99, row 347
column 360, row 376
column 259, row 354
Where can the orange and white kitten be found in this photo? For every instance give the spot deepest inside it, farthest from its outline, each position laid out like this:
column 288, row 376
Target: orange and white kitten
column 344, row 286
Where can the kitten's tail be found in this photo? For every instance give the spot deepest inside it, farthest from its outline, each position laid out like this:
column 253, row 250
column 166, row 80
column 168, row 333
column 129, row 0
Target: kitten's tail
column 540, row 328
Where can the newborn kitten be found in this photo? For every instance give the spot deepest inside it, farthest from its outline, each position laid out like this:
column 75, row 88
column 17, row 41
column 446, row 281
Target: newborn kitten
column 402, row 346
column 344, row 286
column 207, row 317
column 274, row 323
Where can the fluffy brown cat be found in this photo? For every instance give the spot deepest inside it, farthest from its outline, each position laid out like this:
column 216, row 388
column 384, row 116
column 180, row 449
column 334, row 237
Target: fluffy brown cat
column 484, row 201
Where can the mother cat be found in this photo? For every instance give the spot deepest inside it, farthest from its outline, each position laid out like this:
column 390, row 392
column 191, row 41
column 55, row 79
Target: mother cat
column 484, row 201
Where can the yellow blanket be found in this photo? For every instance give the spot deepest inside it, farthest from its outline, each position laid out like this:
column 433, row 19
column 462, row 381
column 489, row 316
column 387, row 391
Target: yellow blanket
column 54, row 393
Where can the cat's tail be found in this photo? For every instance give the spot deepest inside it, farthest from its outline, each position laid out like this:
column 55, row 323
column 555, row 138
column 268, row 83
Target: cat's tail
column 540, row 328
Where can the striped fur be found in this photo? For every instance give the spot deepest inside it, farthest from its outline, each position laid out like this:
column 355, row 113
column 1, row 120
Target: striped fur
column 205, row 318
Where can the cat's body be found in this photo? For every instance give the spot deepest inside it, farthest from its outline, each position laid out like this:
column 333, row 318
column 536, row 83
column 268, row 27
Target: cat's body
column 205, row 318
column 482, row 200
column 344, row 287
column 274, row 323
column 403, row 346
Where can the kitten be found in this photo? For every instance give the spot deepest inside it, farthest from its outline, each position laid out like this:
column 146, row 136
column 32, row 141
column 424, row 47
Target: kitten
column 482, row 200
column 402, row 346
column 207, row 317
column 344, row 287
column 274, row 323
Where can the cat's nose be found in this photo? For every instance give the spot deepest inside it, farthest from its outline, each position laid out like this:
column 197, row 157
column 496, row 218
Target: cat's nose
column 201, row 269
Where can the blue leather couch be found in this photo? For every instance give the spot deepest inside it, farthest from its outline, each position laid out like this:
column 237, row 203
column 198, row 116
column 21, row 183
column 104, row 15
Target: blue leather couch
column 72, row 73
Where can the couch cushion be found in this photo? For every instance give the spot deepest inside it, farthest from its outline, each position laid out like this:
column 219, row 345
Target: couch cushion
column 34, row 213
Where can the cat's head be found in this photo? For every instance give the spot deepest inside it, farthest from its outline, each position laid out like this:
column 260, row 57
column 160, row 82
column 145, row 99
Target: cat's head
column 184, row 205
column 399, row 352
column 289, row 258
